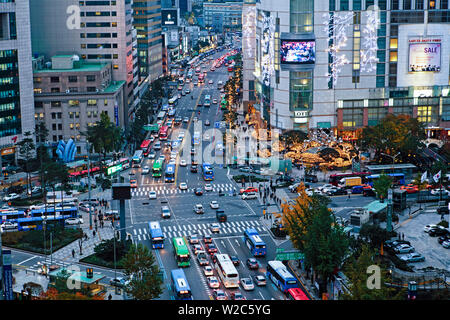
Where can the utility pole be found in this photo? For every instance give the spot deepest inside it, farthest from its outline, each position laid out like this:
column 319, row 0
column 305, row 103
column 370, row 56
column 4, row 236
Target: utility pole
column 89, row 186
column 2, row 296
column 389, row 212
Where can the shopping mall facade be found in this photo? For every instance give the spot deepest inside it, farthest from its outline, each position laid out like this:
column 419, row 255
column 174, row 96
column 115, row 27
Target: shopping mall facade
column 341, row 65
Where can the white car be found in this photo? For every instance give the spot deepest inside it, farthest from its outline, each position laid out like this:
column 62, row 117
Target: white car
column 210, row 82
column 208, row 187
column 11, row 196
column 162, row 157
column 309, row 192
column 183, row 186
column 325, row 186
column 173, row 155
column 214, row 204
column 247, row 284
column 213, row 282
column 208, row 271
column 185, row 119
column 72, row 221
column 206, row 136
column 152, row 195
column 145, row 170
column 214, row 101
column 437, row 192
column 215, row 228
column 198, row 208
column 293, row 187
column 428, row 227
column 7, row 225
column 165, row 212
column 183, row 163
column 249, row 195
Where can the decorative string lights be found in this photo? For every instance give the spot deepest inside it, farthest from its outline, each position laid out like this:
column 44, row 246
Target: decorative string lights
column 267, row 49
column 248, row 30
column 368, row 54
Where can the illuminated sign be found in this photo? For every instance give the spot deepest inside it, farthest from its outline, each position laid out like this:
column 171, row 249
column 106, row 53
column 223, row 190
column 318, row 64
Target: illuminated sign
column 303, row 51
column 169, row 17
column 424, row 55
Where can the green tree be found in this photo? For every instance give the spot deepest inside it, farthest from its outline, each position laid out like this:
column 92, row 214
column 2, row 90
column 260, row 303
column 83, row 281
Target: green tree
column 41, row 133
column 326, row 245
column 374, row 235
column 139, row 265
column 357, row 273
column 26, row 153
column 382, row 185
column 55, row 173
column 104, row 136
column 394, row 134
column 438, row 166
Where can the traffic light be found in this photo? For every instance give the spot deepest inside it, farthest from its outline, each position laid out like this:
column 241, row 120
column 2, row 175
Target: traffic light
column 90, row 273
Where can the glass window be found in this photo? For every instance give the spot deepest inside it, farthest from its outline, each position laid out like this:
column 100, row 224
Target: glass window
column 380, row 82
column 301, row 88
column 357, row 5
column 406, row 4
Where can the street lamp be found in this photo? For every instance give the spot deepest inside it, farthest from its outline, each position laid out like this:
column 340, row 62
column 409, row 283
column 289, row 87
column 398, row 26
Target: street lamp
column 393, row 159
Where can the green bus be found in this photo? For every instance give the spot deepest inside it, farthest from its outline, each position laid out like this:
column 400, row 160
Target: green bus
column 157, row 168
column 181, row 252
column 223, row 104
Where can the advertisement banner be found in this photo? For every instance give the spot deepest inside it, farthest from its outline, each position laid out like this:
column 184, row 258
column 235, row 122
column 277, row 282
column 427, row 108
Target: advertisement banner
column 424, row 55
column 7, row 275
column 169, row 17
column 116, row 114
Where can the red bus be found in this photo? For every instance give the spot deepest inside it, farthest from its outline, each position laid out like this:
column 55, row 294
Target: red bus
column 145, row 147
column 296, row 294
column 201, row 78
column 163, row 132
column 230, row 68
column 334, row 178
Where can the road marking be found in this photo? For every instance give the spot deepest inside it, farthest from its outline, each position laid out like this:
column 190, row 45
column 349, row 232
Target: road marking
column 232, row 247
column 27, row 260
column 134, row 230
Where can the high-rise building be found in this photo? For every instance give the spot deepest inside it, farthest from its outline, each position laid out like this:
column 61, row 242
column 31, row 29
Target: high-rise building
column 392, row 58
column 147, row 22
column 97, row 31
column 16, row 76
column 222, row 15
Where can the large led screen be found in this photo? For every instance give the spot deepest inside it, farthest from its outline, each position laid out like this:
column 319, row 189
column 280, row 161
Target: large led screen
column 424, row 57
column 298, row 51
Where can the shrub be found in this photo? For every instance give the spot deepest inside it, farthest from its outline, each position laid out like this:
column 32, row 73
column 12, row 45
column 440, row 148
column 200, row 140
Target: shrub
column 443, row 223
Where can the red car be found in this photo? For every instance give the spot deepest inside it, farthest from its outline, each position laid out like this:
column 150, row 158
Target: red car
column 248, row 189
column 410, row 188
column 211, row 248
column 237, row 296
column 133, row 183
column 207, row 239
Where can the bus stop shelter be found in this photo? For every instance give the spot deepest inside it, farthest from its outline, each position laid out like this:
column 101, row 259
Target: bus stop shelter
column 80, row 279
column 375, row 208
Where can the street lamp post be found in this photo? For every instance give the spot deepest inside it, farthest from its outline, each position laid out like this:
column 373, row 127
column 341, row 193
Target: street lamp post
column 89, row 186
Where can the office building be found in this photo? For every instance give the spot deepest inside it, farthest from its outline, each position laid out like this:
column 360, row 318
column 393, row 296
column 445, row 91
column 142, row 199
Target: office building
column 293, row 63
column 104, row 33
column 70, row 94
column 16, row 77
column 147, row 22
column 222, row 15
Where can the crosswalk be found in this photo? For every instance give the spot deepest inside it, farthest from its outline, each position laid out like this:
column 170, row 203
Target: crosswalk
column 172, row 189
column 202, row 229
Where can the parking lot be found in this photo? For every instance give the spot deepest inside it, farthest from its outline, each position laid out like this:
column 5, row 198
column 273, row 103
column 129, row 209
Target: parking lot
column 435, row 254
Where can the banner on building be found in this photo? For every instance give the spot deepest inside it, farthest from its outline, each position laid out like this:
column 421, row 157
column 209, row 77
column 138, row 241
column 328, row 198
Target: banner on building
column 7, row 275
column 424, row 55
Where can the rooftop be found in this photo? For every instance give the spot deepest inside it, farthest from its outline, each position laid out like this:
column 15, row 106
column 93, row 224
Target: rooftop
column 79, row 67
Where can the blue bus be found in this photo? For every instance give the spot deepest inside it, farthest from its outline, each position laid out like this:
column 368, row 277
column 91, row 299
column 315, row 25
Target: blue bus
column 254, row 242
column 36, row 223
column 208, row 172
column 11, row 216
column 156, row 235
column 196, row 138
column 71, row 212
column 283, row 279
column 169, row 175
column 180, row 285
column 398, row 178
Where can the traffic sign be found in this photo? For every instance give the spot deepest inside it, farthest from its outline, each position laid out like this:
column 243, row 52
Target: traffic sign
column 289, row 255
column 217, row 124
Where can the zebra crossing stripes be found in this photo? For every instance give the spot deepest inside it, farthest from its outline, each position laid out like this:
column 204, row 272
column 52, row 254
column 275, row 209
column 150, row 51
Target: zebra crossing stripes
column 167, row 190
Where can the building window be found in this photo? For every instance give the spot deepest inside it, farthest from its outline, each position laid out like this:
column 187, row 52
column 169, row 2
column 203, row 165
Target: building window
column 59, row 126
column 352, row 117
column 91, row 89
column 55, row 104
column 92, row 102
column 380, row 82
column 74, row 103
column 375, row 115
column 90, row 78
column 54, row 90
column 73, row 79
column 406, row 4
column 301, row 15
column 301, row 88
column 53, row 126
column 54, row 79
column 428, row 114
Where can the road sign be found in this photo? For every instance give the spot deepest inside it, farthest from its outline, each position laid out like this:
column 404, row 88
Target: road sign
column 217, row 124
column 289, row 255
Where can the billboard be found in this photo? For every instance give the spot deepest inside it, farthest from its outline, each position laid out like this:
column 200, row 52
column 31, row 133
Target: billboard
column 169, row 17
column 298, row 51
column 424, row 55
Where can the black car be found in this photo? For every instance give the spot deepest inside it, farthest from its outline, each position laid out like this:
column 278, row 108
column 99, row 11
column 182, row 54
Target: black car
column 235, row 260
column 207, row 123
column 194, row 168
column 443, row 238
column 252, row 263
column 198, row 191
column 438, row 232
column 337, row 192
column 221, row 216
column 199, row 104
column 394, row 243
column 368, row 192
column 311, row 178
column 442, row 210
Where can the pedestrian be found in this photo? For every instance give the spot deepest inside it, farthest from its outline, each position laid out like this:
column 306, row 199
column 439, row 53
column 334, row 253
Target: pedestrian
column 403, row 236
column 110, row 297
column 348, row 195
column 73, row 253
column 93, row 233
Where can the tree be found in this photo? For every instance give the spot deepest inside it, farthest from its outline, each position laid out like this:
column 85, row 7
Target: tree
column 54, row 294
column 140, row 267
column 293, row 137
column 326, row 245
column 382, row 185
column 392, row 135
column 374, row 235
column 104, row 136
column 26, row 152
column 357, row 273
column 55, row 173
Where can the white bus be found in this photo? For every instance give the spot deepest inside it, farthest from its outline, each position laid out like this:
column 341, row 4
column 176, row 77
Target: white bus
column 161, row 115
column 227, row 271
column 173, row 101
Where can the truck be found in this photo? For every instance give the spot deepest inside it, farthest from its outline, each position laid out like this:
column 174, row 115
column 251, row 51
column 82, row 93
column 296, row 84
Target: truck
column 349, row 182
column 221, row 216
